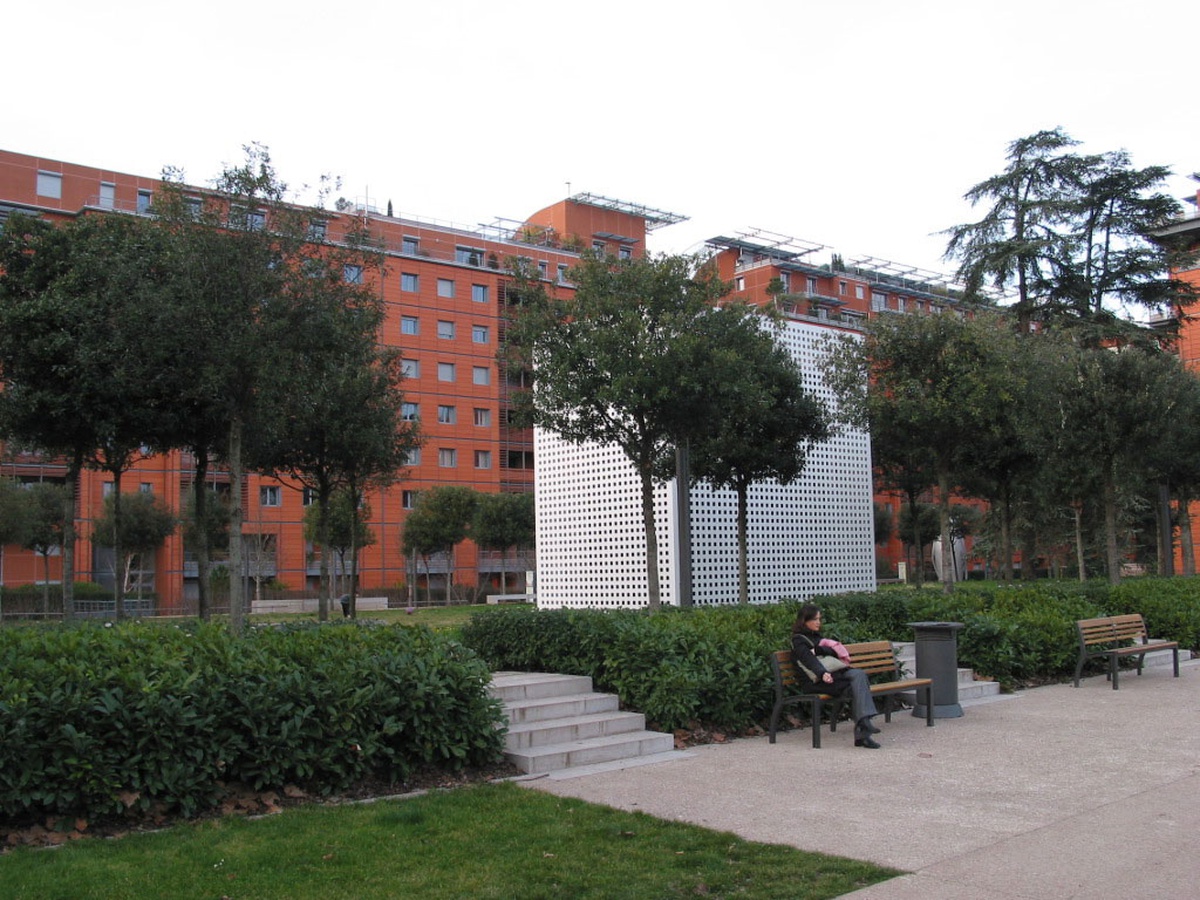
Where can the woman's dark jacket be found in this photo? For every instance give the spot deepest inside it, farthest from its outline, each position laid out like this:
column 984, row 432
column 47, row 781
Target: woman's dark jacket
column 806, row 653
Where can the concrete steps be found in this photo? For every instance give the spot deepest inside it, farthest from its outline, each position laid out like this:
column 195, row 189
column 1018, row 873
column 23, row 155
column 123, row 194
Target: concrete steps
column 558, row 722
column 968, row 687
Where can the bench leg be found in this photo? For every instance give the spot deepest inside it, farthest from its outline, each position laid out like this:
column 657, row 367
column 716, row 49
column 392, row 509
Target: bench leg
column 775, row 719
column 1175, row 651
column 1113, row 669
column 929, row 706
column 1079, row 667
column 814, row 717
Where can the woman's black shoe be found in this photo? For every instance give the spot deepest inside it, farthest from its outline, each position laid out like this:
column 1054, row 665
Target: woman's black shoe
column 869, row 742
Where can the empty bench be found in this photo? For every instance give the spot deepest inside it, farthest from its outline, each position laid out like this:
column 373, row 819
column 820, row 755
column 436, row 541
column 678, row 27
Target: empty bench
column 1116, row 637
column 876, row 658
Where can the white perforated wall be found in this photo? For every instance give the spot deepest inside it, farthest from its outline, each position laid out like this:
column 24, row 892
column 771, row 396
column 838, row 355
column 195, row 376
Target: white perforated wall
column 814, row 536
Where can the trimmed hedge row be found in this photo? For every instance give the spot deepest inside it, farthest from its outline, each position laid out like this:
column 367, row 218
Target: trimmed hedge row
column 710, row 665
column 97, row 719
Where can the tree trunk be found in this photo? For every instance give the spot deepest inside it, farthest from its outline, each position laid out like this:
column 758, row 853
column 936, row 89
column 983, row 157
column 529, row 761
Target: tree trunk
column 203, row 557
column 743, row 490
column 323, row 496
column 237, row 586
column 1166, row 533
column 1111, row 551
column 118, row 562
column 1006, row 546
column 1079, row 557
column 654, row 598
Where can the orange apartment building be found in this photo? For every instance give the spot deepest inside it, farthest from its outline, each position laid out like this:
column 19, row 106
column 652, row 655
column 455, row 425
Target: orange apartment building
column 443, row 288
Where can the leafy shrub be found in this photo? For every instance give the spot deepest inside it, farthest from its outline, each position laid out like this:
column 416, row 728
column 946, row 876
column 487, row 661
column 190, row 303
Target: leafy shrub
column 96, row 719
column 711, row 665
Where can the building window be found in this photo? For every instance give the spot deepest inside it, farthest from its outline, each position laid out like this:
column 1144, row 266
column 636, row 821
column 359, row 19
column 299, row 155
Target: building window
column 483, row 459
column 445, row 330
column 146, row 488
column 316, row 231
column 520, row 459
column 445, row 371
column 481, row 375
column 447, row 457
column 49, row 184
column 483, row 417
column 308, row 496
column 543, row 269
column 447, row 415
column 352, row 274
column 468, row 256
column 739, row 283
column 479, row 334
column 599, row 247
column 410, row 412
column 268, row 495
column 858, row 292
column 625, row 252
column 479, row 293
column 144, row 199
column 410, row 368
column 445, row 287
column 842, row 288
column 410, row 325
column 194, row 207
column 562, row 273
column 108, row 195
column 878, row 301
column 409, row 246
column 412, row 457
column 409, row 282
column 812, row 285
column 409, row 499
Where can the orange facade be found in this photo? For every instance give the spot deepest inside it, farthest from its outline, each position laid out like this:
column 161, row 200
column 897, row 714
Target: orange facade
column 443, row 289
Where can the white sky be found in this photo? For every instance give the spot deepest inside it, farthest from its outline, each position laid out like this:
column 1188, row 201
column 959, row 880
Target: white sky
column 856, row 124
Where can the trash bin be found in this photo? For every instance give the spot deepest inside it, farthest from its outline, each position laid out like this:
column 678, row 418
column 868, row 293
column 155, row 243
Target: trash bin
column 937, row 658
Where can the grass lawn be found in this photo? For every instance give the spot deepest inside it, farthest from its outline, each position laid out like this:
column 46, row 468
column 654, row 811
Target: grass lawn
column 487, row 841
column 438, row 618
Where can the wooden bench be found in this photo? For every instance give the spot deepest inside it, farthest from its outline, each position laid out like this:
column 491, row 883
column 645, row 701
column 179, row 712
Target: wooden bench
column 876, row 658
column 1116, row 637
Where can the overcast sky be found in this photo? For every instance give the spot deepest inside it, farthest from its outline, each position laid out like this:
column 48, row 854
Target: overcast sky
column 857, row 125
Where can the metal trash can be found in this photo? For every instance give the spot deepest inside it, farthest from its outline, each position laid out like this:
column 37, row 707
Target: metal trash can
column 937, row 658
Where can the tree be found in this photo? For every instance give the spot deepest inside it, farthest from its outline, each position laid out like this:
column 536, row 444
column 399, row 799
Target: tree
column 73, row 346
column 441, row 518
column 1116, row 408
column 609, row 365
column 503, row 521
column 46, row 527
column 767, row 420
column 1017, row 243
column 345, row 529
column 939, row 377
column 144, row 523
column 1070, row 235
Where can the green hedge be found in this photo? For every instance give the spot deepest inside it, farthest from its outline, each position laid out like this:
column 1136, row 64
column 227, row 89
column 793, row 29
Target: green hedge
column 710, row 665
column 94, row 719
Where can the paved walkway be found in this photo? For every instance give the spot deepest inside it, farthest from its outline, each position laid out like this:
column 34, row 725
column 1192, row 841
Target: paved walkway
column 1052, row 792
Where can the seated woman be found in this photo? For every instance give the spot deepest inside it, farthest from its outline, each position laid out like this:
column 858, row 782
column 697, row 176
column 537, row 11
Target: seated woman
column 808, row 651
